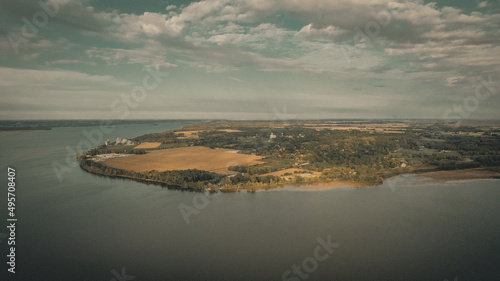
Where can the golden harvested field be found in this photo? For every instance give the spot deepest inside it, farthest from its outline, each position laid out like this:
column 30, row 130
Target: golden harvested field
column 381, row 128
column 184, row 158
column 145, row 145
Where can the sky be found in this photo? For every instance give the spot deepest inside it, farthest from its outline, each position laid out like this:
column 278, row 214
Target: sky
column 249, row 59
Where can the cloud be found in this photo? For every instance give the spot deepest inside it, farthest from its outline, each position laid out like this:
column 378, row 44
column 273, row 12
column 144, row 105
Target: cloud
column 328, row 32
column 235, row 58
column 235, row 79
column 132, row 27
column 483, row 4
column 65, row 62
column 147, row 57
column 264, row 37
column 58, row 94
column 74, row 13
column 32, row 48
column 12, row 77
column 452, row 81
column 436, row 47
column 440, row 34
column 213, row 67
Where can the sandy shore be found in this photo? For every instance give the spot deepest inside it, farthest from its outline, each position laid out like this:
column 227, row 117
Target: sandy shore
column 467, row 174
column 325, row 185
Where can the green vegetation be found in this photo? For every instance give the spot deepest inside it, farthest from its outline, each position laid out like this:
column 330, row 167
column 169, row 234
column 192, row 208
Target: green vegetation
column 123, row 149
column 360, row 154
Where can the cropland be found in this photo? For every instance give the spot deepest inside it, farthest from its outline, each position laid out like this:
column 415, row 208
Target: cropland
column 185, row 158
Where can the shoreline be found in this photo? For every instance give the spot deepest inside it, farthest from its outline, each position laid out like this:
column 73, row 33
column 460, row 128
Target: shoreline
column 17, row 131
column 327, row 185
column 435, row 176
column 464, row 174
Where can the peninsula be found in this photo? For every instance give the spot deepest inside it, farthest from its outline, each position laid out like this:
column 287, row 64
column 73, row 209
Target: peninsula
column 251, row 155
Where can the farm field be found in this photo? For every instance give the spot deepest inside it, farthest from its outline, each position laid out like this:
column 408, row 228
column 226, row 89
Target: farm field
column 389, row 128
column 148, row 145
column 184, row 158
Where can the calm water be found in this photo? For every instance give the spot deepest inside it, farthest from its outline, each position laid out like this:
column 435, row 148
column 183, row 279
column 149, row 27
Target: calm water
column 87, row 227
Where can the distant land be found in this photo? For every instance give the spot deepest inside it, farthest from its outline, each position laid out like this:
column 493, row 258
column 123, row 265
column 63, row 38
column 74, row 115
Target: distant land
column 35, row 125
column 252, row 155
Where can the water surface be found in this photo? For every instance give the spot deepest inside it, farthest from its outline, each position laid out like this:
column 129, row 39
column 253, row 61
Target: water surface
column 86, row 226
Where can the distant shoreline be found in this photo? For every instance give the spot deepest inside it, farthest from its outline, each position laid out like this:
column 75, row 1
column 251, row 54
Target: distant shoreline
column 464, row 174
column 436, row 176
column 17, row 131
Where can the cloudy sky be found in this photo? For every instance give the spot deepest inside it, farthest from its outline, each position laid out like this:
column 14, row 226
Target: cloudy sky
column 248, row 59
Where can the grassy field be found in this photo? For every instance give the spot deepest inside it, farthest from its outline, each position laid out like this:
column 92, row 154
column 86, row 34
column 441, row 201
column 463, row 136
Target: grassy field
column 148, row 145
column 388, row 128
column 184, row 158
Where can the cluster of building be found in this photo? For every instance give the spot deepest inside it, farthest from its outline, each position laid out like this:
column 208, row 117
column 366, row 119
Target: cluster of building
column 273, row 136
column 104, row 157
column 119, row 141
